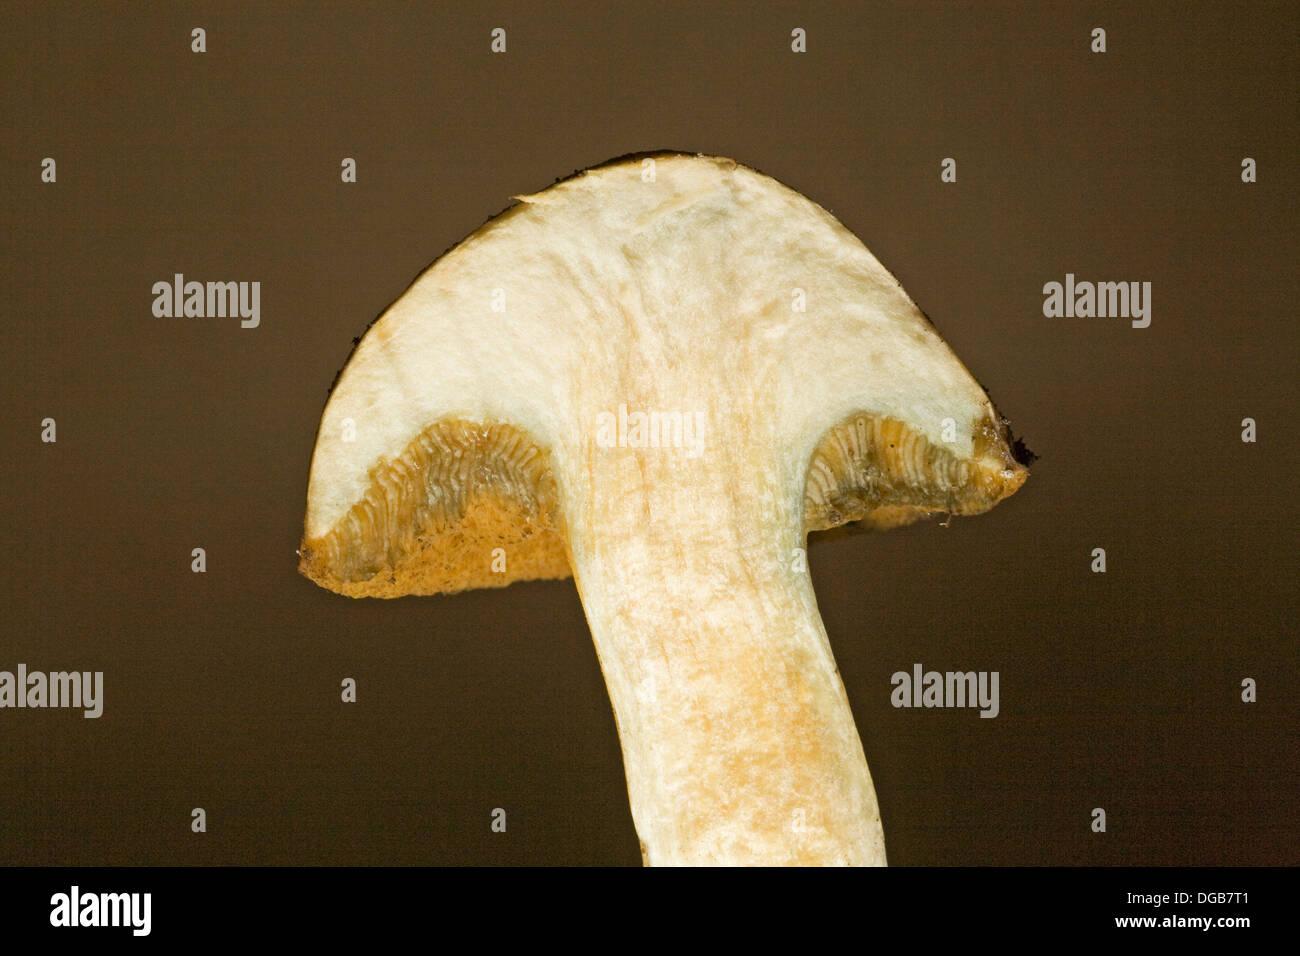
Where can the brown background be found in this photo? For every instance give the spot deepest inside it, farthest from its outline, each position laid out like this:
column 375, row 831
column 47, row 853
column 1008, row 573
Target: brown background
column 222, row 690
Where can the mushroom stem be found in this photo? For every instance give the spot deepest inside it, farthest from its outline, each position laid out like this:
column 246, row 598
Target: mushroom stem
column 738, row 742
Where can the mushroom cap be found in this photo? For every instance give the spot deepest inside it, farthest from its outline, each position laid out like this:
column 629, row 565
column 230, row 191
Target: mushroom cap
column 468, row 408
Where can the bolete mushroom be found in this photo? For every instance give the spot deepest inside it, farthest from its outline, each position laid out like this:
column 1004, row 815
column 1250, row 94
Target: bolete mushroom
column 659, row 375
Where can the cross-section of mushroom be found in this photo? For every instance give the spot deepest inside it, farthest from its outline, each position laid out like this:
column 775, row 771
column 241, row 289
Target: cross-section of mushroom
column 660, row 384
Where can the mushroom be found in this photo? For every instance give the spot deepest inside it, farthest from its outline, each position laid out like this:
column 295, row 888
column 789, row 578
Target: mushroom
column 659, row 375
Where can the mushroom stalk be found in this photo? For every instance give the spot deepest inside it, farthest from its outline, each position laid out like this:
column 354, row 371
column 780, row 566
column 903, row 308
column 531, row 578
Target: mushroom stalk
column 738, row 742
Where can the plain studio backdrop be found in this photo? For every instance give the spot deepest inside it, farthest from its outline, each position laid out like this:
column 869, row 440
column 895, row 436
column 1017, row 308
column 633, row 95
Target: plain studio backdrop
column 1119, row 691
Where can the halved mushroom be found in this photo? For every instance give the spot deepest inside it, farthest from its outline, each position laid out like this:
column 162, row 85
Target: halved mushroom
column 660, row 384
